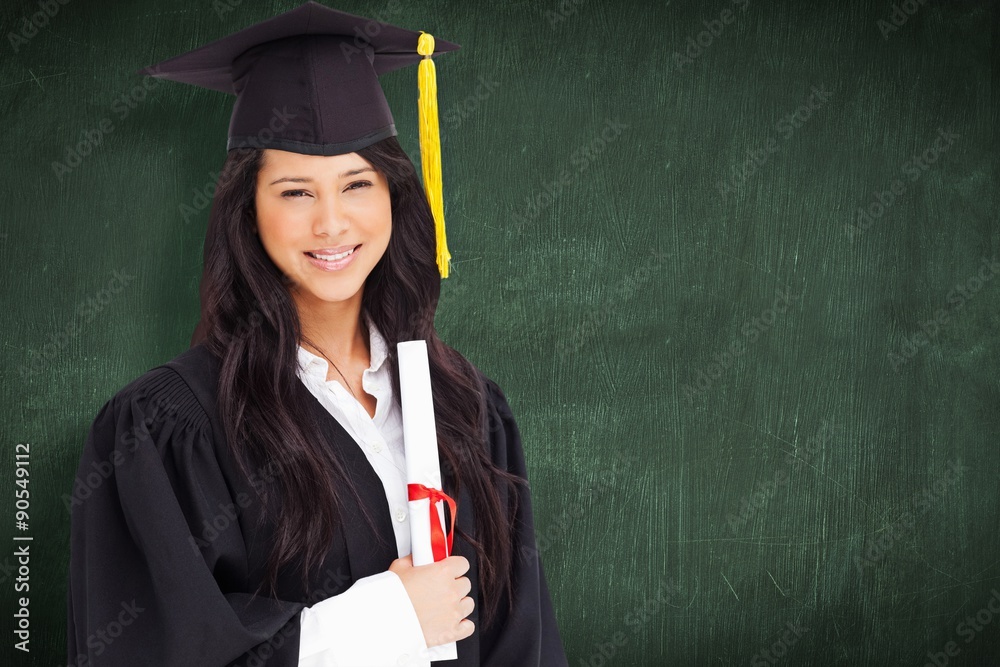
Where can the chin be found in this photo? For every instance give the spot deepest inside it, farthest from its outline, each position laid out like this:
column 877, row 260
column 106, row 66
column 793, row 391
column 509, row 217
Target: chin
column 335, row 295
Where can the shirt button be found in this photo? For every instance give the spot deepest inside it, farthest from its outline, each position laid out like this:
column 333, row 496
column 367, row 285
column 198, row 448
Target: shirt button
column 377, row 446
column 400, row 514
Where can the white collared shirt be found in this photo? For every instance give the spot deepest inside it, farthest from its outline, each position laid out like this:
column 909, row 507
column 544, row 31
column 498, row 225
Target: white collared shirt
column 373, row 623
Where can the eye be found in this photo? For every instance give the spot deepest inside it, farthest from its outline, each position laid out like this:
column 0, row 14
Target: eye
column 362, row 184
column 293, row 194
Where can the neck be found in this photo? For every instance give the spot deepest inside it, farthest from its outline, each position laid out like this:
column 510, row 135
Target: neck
column 336, row 328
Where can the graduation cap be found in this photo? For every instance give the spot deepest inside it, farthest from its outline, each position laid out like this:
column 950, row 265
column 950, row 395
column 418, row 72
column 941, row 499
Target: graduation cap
column 306, row 81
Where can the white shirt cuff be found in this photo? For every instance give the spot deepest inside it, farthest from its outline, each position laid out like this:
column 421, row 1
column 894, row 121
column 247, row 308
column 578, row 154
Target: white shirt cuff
column 371, row 624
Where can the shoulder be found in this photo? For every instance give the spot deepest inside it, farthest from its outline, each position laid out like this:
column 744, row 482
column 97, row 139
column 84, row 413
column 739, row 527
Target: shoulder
column 183, row 378
column 495, row 397
column 501, row 428
column 502, row 432
column 179, row 393
column 155, row 434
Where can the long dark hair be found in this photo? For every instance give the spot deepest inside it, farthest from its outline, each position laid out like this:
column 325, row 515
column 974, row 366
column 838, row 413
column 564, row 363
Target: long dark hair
column 251, row 324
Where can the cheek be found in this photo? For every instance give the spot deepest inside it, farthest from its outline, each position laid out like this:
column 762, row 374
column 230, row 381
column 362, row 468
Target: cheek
column 385, row 218
column 276, row 233
column 387, row 222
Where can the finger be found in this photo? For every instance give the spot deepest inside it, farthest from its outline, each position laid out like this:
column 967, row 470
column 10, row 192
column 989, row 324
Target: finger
column 404, row 562
column 466, row 628
column 466, row 605
column 459, row 564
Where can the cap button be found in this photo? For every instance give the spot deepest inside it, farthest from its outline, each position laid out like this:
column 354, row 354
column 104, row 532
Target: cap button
column 425, row 44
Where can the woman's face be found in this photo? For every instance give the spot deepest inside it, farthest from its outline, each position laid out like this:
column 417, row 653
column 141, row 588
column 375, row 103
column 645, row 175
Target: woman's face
column 311, row 209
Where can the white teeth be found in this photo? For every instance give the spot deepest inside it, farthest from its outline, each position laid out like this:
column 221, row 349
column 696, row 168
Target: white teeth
column 333, row 258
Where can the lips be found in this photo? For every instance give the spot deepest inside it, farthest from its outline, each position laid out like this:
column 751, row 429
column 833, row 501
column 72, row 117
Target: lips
column 333, row 254
column 336, row 262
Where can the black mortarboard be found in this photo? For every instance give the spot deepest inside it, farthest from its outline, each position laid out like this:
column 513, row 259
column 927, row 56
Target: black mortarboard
column 306, row 81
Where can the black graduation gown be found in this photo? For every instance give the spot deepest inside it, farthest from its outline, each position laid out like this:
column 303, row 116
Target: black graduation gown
column 165, row 557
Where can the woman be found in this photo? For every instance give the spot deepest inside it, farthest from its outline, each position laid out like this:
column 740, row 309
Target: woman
column 244, row 503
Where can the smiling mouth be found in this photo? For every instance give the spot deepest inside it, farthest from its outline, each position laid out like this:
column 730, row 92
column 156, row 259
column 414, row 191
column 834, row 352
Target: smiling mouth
column 335, row 257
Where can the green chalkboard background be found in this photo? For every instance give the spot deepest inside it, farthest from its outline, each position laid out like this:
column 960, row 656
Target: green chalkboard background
column 735, row 264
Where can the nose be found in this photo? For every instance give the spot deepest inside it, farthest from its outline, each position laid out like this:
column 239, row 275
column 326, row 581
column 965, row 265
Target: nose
column 331, row 217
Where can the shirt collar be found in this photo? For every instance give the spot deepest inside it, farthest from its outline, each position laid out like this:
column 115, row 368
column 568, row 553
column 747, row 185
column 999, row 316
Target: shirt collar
column 311, row 364
column 378, row 344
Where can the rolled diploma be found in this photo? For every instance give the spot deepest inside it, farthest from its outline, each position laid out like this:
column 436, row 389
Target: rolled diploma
column 422, row 463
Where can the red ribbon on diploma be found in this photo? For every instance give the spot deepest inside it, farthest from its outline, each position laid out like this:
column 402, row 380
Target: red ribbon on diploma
column 419, row 492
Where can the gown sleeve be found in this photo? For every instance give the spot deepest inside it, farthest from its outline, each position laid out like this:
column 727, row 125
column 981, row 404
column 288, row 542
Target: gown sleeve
column 529, row 634
column 155, row 540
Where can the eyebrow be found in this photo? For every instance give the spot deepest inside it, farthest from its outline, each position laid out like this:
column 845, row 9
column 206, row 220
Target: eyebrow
column 305, row 179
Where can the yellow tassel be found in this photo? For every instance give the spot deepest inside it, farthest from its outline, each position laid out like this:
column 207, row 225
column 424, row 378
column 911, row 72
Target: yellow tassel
column 430, row 146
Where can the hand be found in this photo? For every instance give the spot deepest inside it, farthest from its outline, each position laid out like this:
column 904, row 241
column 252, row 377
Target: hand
column 439, row 596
